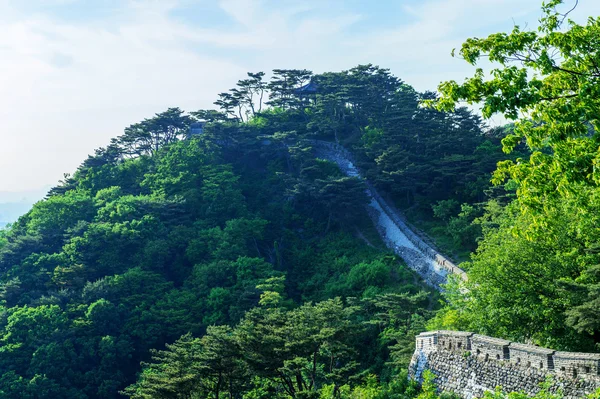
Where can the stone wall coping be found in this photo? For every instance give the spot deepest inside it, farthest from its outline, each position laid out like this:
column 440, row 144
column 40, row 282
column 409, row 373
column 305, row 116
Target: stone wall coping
column 491, row 340
column 511, row 345
column 531, row 348
column 577, row 355
column 454, row 333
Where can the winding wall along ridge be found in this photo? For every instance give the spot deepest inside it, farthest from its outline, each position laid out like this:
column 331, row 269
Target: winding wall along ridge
column 431, row 265
column 463, row 362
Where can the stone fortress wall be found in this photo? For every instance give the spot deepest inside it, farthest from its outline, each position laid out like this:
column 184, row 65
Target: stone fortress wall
column 392, row 226
column 470, row 364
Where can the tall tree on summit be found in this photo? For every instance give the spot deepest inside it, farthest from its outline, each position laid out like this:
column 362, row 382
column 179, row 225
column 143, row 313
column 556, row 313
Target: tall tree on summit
column 252, row 90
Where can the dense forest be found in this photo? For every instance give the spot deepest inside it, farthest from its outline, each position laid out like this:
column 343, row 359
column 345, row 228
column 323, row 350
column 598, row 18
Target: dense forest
column 211, row 254
column 249, row 264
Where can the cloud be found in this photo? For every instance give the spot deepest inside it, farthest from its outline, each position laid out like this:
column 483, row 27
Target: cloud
column 67, row 88
column 243, row 11
column 71, row 78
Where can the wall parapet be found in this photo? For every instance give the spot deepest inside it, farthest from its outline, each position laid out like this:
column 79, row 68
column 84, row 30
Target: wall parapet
column 469, row 364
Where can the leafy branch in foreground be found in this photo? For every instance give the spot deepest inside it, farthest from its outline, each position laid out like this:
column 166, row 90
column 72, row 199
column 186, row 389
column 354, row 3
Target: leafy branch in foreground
column 534, row 273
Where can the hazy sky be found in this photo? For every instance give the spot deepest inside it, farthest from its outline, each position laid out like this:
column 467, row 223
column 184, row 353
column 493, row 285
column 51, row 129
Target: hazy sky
column 74, row 73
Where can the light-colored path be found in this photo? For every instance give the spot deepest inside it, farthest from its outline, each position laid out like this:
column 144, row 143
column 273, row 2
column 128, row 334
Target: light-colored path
column 432, row 266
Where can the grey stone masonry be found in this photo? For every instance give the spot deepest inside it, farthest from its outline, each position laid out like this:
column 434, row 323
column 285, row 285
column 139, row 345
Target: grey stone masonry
column 454, row 341
column 574, row 364
column 490, row 348
column 531, row 356
column 470, row 364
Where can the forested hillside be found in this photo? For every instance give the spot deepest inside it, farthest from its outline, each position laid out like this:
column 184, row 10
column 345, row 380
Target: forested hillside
column 252, row 260
column 211, row 254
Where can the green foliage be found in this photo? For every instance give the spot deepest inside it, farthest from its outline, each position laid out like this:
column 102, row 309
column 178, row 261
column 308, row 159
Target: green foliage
column 237, row 263
column 160, row 241
column 305, row 352
column 444, row 209
column 595, row 395
column 150, row 135
column 429, row 390
column 534, row 275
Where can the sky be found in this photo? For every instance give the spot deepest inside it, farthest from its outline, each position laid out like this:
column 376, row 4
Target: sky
column 75, row 73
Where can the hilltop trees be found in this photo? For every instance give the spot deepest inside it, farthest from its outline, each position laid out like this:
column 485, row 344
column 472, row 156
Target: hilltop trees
column 283, row 87
column 150, row 135
column 419, row 155
column 245, row 99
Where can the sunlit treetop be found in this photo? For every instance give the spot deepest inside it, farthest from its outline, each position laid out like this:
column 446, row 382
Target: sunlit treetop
column 547, row 81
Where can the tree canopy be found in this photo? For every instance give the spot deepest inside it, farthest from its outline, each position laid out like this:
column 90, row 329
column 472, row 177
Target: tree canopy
column 237, row 263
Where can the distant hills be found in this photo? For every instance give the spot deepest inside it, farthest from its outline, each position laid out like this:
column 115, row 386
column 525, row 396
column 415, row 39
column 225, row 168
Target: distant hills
column 16, row 203
column 10, row 211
